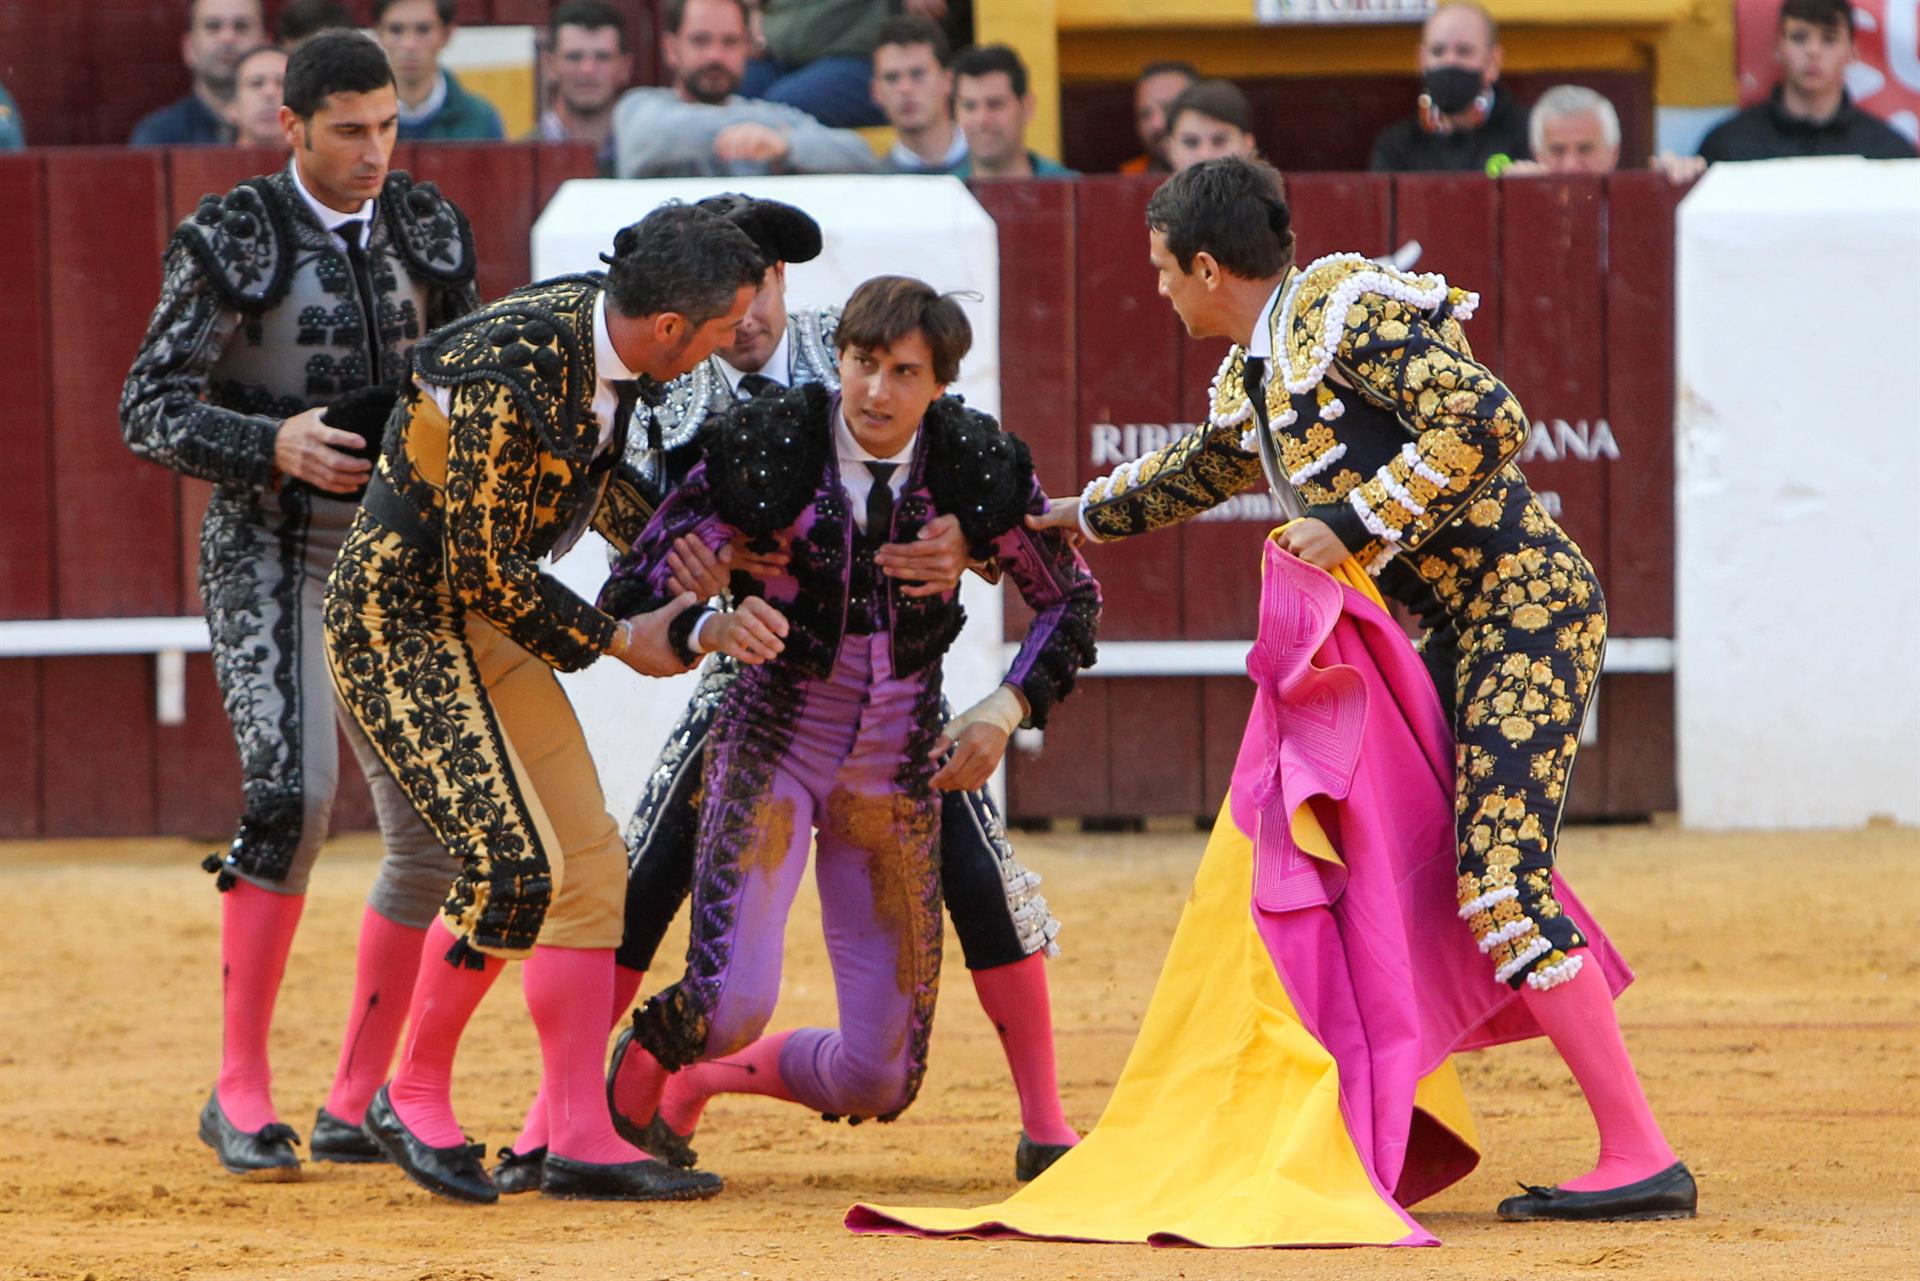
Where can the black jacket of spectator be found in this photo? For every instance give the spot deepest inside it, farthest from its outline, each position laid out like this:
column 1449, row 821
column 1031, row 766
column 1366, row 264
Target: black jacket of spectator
column 1765, row 131
column 1405, row 147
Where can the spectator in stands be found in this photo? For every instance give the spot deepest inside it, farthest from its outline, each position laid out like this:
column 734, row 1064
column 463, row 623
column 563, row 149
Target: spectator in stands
column 13, row 135
column 218, row 32
column 1153, row 93
column 1809, row 112
column 587, row 63
column 1465, row 120
column 818, row 57
column 914, row 87
column 433, row 105
column 302, row 20
column 1212, row 118
column 992, row 104
column 1571, row 130
column 701, row 127
column 259, row 85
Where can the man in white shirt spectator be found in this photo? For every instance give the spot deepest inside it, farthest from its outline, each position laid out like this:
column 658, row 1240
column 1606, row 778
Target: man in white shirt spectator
column 701, row 126
column 914, row 88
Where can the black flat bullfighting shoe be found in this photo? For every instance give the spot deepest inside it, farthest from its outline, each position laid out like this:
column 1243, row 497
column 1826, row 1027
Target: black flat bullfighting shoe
column 626, row 1181
column 265, row 1154
column 1670, row 1194
column 335, row 1140
column 1030, row 1159
column 454, row 1171
column 656, row 1138
column 519, row 1172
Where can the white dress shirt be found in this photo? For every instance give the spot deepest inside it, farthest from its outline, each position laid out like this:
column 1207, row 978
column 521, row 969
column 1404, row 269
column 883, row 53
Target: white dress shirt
column 1260, row 345
column 333, row 219
column 779, row 366
column 854, row 476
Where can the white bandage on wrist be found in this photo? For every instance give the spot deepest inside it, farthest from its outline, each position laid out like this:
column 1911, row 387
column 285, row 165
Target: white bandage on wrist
column 1001, row 709
column 699, row 637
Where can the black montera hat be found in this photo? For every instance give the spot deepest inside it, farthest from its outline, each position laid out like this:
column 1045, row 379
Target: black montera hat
column 781, row 232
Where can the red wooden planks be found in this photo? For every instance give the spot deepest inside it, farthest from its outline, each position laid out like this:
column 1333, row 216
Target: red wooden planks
column 1154, row 740
column 1129, row 374
column 197, row 767
column 19, row 748
column 1226, row 702
column 1341, row 213
column 353, row 803
column 493, row 183
column 1456, row 219
column 26, row 522
column 1640, row 399
column 1554, row 307
column 193, row 172
column 97, row 746
column 115, row 516
column 1038, row 324
column 1642, row 770
column 555, row 163
column 1067, row 777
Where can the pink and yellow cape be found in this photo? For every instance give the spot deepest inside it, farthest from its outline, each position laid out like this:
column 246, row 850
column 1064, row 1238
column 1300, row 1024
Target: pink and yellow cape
column 1291, row 1084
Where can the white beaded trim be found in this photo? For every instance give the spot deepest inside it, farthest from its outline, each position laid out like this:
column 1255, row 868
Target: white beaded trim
column 1339, row 299
column 1380, row 559
column 1399, row 493
column 1332, row 410
column 1554, row 975
column 1487, row 900
column 1506, row 933
column 1521, row 959
column 1411, row 457
column 1368, row 517
column 1319, row 464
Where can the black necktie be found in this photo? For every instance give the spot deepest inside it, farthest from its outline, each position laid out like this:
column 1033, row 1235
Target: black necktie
column 351, row 232
column 880, row 502
column 753, row 386
column 627, row 390
column 1255, row 381
column 1254, row 374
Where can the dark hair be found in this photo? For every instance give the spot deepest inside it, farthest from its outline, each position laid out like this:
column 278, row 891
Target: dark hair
column 1168, row 66
column 302, row 18
column 1824, row 14
column 334, row 62
column 1217, row 100
column 674, row 12
column 886, row 309
column 594, row 15
column 1232, row 208
column 447, row 10
column 683, row 259
column 912, row 29
column 985, row 59
column 241, row 61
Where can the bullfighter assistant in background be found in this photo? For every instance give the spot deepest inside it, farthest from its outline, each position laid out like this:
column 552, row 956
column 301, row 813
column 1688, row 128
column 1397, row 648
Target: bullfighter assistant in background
column 286, row 316
column 836, row 731
column 443, row 635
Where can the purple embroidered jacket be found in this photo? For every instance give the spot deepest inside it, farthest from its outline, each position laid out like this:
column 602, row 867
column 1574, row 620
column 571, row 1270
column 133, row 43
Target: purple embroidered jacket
column 769, row 468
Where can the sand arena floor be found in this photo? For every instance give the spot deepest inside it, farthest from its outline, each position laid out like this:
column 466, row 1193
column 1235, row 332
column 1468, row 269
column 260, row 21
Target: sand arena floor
column 1775, row 1022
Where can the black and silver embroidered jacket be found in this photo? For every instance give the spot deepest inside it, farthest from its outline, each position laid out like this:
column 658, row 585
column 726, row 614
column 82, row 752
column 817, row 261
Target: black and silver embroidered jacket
column 259, row 319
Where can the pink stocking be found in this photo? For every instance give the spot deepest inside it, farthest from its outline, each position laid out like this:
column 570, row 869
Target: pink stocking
column 754, row 1070
column 569, row 991
column 1578, row 1018
column 1015, row 998
column 444, row 999
column 387, row 960
column 256, row 933
column 533, row 1131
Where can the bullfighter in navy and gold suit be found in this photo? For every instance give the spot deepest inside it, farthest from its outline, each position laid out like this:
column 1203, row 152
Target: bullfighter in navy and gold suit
column 443, row 635
column 1354, row 392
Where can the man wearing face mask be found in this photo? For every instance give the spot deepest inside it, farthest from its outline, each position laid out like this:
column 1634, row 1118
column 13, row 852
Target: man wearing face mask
column 1465, row 121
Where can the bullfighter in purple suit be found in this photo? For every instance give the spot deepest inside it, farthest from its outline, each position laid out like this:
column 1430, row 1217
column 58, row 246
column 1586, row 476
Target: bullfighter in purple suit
column 835, row 724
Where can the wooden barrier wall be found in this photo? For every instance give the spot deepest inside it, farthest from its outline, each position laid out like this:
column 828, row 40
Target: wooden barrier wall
column 1576, row 278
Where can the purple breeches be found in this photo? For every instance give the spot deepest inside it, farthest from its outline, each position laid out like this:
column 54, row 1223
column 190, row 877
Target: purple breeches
column 846, row 758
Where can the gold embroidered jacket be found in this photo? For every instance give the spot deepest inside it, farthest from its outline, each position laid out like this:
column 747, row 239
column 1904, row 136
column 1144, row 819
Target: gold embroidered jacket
column 515, row 471
column 1396, row 342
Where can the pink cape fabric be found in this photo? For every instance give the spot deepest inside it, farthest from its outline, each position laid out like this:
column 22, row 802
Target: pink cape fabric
column 1371, row 950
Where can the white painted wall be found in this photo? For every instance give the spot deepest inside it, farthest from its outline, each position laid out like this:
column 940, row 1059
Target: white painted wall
column 927, row 227
column 1798, row 438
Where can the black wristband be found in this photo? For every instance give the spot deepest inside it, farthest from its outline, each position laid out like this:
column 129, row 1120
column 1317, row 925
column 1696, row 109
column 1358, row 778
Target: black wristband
column 1345, row 523
column 680, row 633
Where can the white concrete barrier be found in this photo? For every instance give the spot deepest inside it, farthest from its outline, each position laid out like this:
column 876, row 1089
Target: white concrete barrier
column 1798, row 439
column 926, row 227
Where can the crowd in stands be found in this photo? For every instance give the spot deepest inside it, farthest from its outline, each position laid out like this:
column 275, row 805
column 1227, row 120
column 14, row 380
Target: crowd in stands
column 781, row 86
